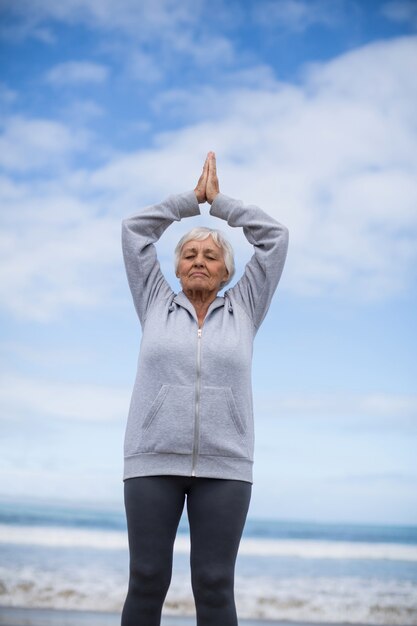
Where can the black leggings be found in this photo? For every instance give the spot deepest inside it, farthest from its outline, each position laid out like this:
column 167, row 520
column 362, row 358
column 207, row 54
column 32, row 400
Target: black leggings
column 217, row 510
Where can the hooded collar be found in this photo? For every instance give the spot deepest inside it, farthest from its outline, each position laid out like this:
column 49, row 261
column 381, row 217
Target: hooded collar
column 182, row 300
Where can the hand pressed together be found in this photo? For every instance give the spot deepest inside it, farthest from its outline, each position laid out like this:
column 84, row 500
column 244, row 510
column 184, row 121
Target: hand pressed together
column 207, row 187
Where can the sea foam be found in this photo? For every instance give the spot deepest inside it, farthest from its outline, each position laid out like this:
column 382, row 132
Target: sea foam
column 58, row 536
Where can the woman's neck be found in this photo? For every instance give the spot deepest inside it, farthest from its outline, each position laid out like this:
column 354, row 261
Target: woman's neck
column 201, row 301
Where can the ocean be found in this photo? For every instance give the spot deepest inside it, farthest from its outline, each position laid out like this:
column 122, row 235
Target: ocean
column 76, row 557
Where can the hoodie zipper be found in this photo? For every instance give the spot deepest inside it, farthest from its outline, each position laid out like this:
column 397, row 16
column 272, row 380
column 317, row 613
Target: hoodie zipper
column 197, row 403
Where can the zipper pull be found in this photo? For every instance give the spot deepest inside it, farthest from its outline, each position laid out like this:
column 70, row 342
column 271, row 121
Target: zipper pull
column 199, row 333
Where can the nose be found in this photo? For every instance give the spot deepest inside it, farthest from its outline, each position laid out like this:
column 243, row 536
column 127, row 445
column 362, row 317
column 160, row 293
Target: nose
column 199, row 261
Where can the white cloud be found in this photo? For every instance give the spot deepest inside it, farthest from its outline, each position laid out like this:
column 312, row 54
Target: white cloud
column 398, row 408
column 59, row 250
column 143, row 19
column 401, row 11
column 45, row 35
column 333, row 158
column 144, row 68
column 166, row 30
column 57, row 256
column 204, row 49
column 81, row 111
column 147, row 16
column 7, row 95
column 299, row 15
column 34, row 144
column 77, row 72
column 21, row 397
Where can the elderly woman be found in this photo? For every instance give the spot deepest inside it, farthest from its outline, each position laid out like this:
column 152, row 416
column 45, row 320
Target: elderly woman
column 190, row 431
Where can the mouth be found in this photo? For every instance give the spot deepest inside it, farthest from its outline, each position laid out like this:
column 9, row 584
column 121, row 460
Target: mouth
column 198, row 275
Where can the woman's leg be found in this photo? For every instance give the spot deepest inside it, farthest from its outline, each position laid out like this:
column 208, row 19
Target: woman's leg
column 217, row 510
column 153, row 510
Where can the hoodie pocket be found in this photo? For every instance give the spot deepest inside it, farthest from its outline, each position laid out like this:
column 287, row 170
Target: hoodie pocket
column 168, row 425
column 222, row 430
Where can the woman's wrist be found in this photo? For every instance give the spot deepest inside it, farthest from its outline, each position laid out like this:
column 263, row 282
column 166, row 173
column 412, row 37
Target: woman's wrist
column 213, row 197
column 201, row 196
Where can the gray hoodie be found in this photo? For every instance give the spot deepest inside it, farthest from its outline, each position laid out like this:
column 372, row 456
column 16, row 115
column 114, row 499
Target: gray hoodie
column 191, row 407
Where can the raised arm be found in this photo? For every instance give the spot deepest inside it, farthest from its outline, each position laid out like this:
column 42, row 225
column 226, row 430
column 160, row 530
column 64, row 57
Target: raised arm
column 140, row 231
column 269, row 238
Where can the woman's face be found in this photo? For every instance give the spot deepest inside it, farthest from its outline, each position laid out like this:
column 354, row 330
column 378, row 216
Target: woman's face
column 201, row 266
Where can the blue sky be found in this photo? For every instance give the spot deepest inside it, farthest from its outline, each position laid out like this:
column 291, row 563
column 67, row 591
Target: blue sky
column 310, row 107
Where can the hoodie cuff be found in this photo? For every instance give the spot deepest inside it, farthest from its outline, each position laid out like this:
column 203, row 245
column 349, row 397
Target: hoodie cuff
column 187, row 204
column 221, row 206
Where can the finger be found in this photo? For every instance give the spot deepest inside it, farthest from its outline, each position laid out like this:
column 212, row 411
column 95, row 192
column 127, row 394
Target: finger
column 206, row 166
column 205, row 169
column 212, row 174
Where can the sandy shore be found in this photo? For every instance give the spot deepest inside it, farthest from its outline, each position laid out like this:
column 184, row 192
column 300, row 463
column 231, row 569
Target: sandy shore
column 12, row 616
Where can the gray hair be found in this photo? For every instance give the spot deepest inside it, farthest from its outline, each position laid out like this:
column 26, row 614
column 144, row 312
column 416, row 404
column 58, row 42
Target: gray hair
column 199, row 234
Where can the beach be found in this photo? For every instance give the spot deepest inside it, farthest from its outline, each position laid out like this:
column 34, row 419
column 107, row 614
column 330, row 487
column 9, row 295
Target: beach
column 62, row 566
column 12, row 616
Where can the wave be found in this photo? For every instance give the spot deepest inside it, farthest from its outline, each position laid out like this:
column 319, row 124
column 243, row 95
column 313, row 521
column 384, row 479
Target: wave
column 299, row 599
column 56, row 536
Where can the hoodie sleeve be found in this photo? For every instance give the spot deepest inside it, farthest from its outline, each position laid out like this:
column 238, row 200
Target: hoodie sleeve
column 139, row 233
column 269, row 238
